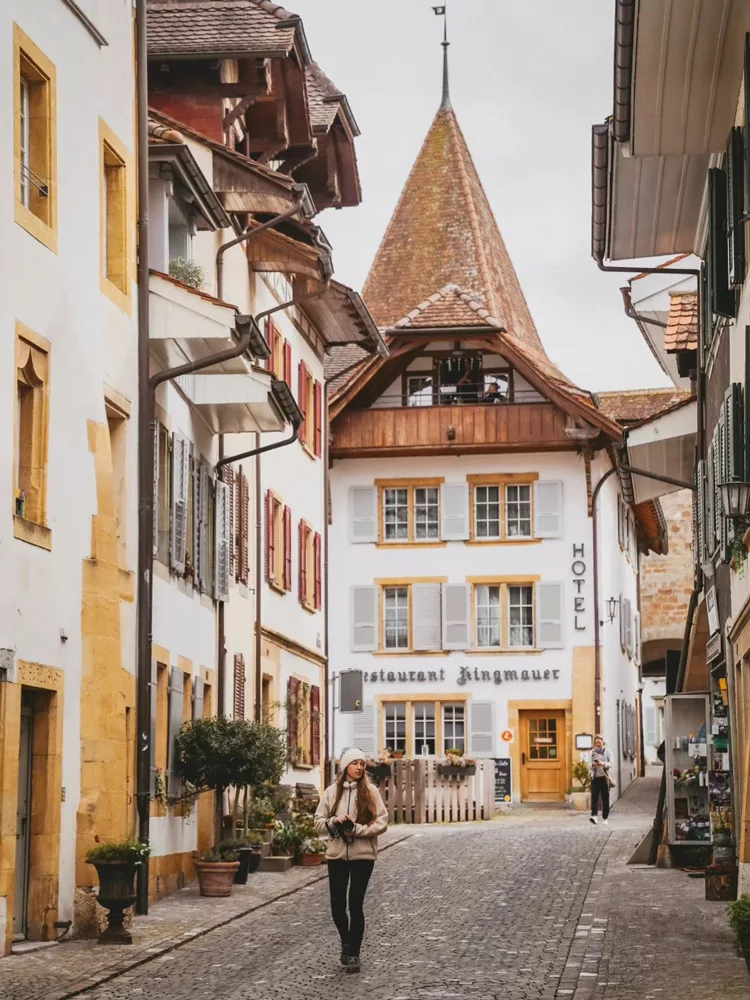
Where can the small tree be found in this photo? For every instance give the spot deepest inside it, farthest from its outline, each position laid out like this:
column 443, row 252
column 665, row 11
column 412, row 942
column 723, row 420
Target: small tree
column 220, row 753
column 582, row 774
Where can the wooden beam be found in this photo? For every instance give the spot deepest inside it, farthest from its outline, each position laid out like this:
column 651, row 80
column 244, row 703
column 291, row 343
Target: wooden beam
column 237, row 111
column 215, row 89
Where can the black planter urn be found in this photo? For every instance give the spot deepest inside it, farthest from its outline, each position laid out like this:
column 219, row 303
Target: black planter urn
column 116, row 894
column 244, row 857
column 254, row 861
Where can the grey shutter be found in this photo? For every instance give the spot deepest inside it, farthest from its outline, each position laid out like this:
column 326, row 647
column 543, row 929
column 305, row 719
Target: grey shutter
column 734, row 426
column 549, row 613
column 735, row 160
column 364, row 611
column 620, row 538
column 482, row 729
column 179, row 502
column 363, row 729
column 196, row 474
column 456, row 616
column 176, row 682
column 152, row 728
column 204, row 528
column 198, row 697
column 454, row 511
column 649, row 725
column 155, row 498
column 623, row 624
column 363, row 514
column 699, row 513
column 637, row 638
column 723, row 298
column 222, row 541
column 426, row 625
column 628, row 627
column 548, row 509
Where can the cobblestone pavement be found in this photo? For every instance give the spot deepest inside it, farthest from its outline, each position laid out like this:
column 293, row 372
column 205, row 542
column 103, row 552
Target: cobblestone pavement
column 512, row 909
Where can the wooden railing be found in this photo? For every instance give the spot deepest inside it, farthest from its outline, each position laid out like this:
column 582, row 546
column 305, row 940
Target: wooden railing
column 416, row 792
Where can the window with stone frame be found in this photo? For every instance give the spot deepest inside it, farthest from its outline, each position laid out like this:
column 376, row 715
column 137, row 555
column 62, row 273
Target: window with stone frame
column 31, row 427
column 518, row 511
column 395, row 617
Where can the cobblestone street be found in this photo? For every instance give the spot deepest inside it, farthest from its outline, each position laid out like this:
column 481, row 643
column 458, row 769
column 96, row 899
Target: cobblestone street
column 535, row 906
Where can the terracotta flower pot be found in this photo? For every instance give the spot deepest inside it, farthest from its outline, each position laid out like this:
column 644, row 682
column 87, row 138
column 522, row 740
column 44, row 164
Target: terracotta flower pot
column 116, row 894
column 308, row 860
column 216, row 878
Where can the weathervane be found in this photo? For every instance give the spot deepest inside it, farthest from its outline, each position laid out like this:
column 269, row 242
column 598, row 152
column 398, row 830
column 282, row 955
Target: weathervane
column 442, row 11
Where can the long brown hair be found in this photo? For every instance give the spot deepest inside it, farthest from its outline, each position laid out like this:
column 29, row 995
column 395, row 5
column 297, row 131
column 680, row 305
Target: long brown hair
column 366, row 808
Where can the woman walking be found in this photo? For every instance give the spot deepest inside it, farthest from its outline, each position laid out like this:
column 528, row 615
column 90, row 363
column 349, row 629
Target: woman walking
column 352, row 814
column 601, row 762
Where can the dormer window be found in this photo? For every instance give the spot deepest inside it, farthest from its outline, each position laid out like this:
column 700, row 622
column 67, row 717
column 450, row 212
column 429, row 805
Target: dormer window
column 458, row 377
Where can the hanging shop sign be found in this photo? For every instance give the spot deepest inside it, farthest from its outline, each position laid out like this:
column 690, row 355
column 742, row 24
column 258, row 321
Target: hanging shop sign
column 578, row 569
column 465, row 675
column 714, row 648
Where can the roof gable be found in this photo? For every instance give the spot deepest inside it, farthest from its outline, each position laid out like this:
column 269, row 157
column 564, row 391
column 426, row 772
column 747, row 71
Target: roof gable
column 451, row 307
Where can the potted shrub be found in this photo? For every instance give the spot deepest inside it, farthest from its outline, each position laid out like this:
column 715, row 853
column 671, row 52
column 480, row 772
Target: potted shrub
column 739, row 918
column 116, row 863
column 255, row 842
column 580, row 796
column 311, row 852
column 456, row 765
column 216, row 870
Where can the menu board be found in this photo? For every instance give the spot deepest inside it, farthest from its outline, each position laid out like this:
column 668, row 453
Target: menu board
column 503, row 780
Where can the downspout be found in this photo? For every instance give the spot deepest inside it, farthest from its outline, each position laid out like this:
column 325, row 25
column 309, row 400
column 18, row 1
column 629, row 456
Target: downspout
column 597, row 625
column 638, row 317
column 258, row 587
column 145, row 466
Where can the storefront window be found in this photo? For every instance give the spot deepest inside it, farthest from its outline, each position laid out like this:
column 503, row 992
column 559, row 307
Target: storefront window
column 395, row 727
column 424, row 729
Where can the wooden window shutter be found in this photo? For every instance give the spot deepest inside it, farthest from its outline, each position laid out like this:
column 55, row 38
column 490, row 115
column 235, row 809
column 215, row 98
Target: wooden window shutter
column 153, row 727
column 363, row 514
column 288, row 363
column 204, row 531
column 302, row 562
column 180, row 471
column 454, row 509
column 723, row 298
column 155, row 496
column 243, row 528
column 292, row 709
column 239, row 686
column 364, row 620
column 270, row 538
column 318, row 557
column 548, row 509
column 287, row 548
column 318, row 419
column 456, row 616
column 482, row 729
column 198, row 697
column 426, row 626
column 222, row 542
column 176, row 682
column 227, row 476
column 735, row 206
column 302, row 398
column 315, row 725
column 550, row 616
column 699, row 513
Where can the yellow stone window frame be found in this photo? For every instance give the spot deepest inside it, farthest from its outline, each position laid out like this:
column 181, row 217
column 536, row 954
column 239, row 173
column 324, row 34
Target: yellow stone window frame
column 31, row 437
column 504, row 583
column 116, row 201
column 410, row 485
column 502, row 481
column 410, row 701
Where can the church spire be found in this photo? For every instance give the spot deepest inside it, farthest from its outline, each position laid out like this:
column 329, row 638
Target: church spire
column 446, row 102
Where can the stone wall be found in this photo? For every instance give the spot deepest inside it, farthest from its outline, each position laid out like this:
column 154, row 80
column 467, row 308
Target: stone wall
column 667, row 581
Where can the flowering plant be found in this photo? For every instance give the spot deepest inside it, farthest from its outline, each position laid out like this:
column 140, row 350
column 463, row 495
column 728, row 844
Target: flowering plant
column 456, row 758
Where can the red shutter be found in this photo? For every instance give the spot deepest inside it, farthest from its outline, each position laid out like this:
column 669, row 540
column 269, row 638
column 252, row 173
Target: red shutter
column 318, row 419
column 268, row 331
column 239, row 686
column 292, row 708
column 302, row 398
column 302, row 562
column 315, row 725
column 270, row 539
column 288, row 363
column 273, row 342
column 287, row 548
column 243, row 528
column 318, row 552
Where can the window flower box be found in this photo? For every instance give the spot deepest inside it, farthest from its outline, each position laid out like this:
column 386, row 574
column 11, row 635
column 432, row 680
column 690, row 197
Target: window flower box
column 457, row 770
column 379, row 770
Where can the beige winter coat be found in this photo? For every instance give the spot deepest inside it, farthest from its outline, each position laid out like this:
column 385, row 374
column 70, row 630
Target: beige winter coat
column 363, row 845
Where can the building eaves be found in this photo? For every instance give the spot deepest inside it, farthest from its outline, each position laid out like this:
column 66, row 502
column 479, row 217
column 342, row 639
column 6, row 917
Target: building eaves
column 625, row 14
column 682, row 325
column 635, row 406
column 191, row 175
column 219, row 29
column 451, row 307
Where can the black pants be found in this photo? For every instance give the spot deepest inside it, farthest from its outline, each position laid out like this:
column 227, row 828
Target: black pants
column 352, row 876
column 600, row 787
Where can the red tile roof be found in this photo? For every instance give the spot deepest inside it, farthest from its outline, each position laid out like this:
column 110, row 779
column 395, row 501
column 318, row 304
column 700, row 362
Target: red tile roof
column 211, row 27
column 682, row 325
column 443, row 233
column 323, row 96
column 633, row 405
column 450, row 307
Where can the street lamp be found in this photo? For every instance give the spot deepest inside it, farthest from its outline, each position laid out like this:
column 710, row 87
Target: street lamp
column 613, row 604
column 735, row 498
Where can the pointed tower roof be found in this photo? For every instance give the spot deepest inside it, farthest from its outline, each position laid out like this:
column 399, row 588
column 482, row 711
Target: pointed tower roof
column 443, row 232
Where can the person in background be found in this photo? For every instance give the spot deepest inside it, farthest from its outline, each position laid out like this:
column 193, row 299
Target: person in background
column 601, row 763
column 352, row 814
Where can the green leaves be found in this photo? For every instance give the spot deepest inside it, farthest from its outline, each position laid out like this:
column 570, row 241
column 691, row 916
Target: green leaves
column 222, row 753
column 128, row 852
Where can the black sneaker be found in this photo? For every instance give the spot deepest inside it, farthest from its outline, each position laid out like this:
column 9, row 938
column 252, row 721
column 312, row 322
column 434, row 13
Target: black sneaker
column 344, row 954
column 353, row 965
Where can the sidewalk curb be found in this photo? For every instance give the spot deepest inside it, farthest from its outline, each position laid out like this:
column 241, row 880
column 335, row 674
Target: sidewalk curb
column 172, row 944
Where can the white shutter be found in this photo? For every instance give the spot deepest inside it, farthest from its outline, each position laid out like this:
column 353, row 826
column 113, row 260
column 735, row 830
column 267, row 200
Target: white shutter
column 628, row 627
column 363, row 514
column 364, row 619
column 548, row 509
column 623, row 623
column 425, row 604
column 649, row 725
column 222, row 541
column 482, row 729
column 456, row 616
column 549, row 616
column 155, row 498
column 179, row 501
column 363, row 729
column 204, row 527
column 198, row 697
column 454, row 510
column 176, row 680
column 152, row 729
column 619, row 521
column 637, row 638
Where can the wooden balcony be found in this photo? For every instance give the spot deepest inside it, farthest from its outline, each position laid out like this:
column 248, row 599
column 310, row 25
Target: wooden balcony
column 462, row 429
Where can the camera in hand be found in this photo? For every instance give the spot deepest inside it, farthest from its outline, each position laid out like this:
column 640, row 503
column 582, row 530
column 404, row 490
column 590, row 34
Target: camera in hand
column 347, row 827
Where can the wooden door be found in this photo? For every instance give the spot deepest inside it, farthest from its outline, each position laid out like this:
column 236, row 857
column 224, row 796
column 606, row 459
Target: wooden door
column 23, row 819
column 543, row 756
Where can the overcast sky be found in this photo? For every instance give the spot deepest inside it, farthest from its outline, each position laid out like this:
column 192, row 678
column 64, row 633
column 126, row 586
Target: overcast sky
column 528, row 79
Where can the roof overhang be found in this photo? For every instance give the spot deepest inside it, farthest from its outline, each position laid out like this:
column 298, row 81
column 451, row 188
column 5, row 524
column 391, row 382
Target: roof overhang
column 664, row 445
column 235, row 404
column 649, row 299
column 274, row 251
column 341, row 317
column 185, row 167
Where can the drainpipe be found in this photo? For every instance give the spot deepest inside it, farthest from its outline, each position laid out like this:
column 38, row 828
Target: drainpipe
column 597, row 625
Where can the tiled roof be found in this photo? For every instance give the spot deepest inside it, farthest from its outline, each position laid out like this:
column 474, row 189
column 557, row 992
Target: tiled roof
column 650, row 518
column 211, row 27
column 320, row 90
column 339, row 361
column 682, row 325
column 450, row 307
column 159, row 133
column 633, row 405
column 443, row 232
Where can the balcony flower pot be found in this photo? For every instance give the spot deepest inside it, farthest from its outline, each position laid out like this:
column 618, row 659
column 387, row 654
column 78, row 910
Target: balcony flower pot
column 309, row 860
column 456, row 771
column 116, row 894
column 216, row 878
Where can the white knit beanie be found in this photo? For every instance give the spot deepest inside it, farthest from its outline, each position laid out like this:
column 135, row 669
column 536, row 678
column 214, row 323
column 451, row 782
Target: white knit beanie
column 349, row 755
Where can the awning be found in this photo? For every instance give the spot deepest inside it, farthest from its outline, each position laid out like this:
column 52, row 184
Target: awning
column 234, row 404
column 664, row 445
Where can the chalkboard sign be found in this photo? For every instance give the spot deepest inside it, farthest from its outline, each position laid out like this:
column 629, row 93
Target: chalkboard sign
column 503, row 782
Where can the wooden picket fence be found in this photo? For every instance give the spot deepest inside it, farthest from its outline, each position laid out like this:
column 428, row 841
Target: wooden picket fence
column 416, row 792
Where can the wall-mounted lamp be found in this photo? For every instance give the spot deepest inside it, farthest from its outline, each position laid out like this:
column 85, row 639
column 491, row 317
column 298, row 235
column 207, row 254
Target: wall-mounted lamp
column 613, row 606
column 735, row 498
